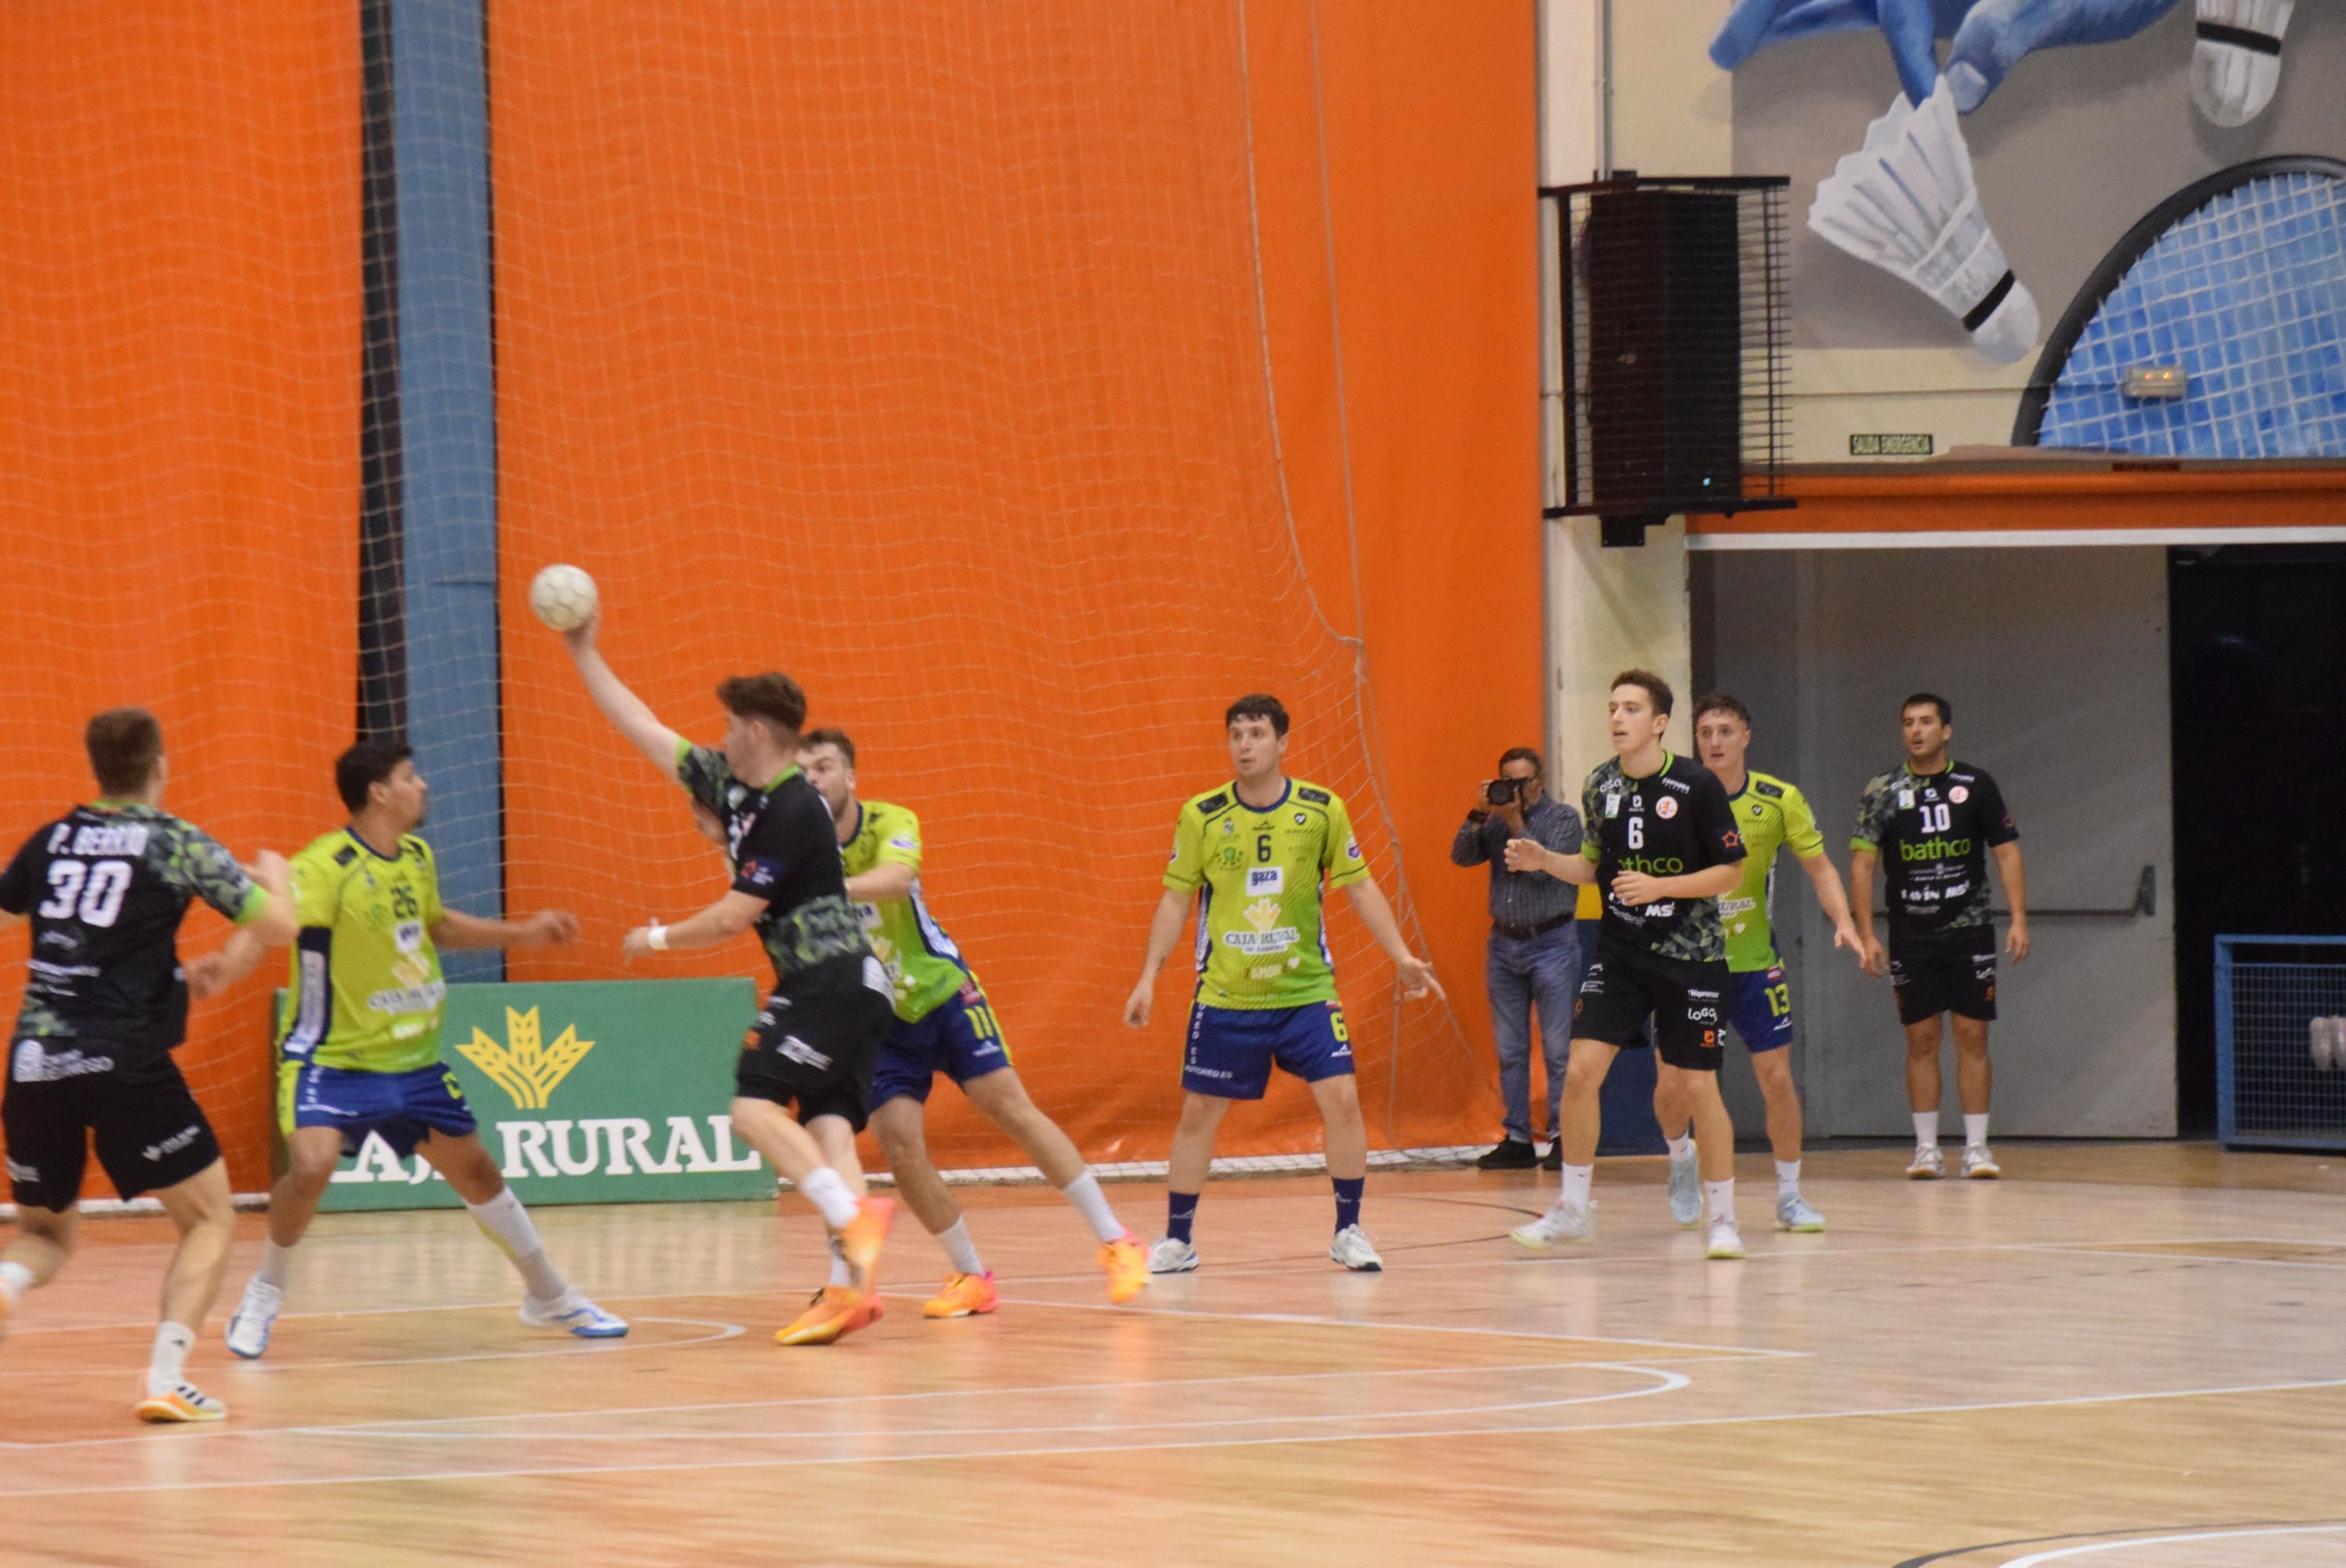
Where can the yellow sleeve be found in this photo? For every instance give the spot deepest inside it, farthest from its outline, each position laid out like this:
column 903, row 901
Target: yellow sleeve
column 1186, row 871
column 1800, row 832
column 900, row 840
column 315, row 884
column 431, row 909
column 1341, row 856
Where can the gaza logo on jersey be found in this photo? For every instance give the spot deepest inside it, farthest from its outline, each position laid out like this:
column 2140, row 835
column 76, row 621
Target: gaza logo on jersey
column 524, row 1066
column 1265, row 880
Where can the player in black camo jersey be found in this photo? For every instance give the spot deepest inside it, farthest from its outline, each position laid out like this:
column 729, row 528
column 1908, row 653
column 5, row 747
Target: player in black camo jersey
column 1662, row 844
column 817, row 1039
column 105, row 1000
column 1932, row 823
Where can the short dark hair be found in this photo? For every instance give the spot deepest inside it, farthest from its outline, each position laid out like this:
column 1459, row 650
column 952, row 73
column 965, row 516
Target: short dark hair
column 1657, row 690
column 1523, row 754
column 366, row 765
column 124, row 745
column 1719, row 702
column 772, row 696
column 1946, row 709
column 829, row 738
column 1259, row 704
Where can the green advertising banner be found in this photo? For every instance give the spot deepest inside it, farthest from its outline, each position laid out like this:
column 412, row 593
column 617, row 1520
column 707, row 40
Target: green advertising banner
column 601, row 1092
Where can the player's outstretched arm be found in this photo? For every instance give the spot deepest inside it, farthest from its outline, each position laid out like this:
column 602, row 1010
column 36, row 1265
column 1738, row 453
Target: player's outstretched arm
column 721, row 922
column 1164, row 932
column 458, row 931
column 1416, row 973
column 881, row 883
column 1531, row 855
column 2016, row 893
column 1834, row 901
column 269, row 922
column 627, row 712
column 1869, row 956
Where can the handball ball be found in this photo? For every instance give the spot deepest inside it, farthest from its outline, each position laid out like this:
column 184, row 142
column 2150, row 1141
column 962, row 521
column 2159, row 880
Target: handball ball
column 563, row 597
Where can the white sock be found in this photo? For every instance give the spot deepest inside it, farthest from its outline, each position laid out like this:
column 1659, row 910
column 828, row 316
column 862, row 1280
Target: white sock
column 823, row 1189
column 1787, row 1178
column 277, row 1264
column 1926, row 1129
column 960, row 1251
column 1681, row 1150
column 505, row 1222
column 1575, row 1185
column 1975, row 1130
column 1090, row 1202
column 841, row 1275
column 1718, row 1198
column 169, row 1358
column 14, row 1280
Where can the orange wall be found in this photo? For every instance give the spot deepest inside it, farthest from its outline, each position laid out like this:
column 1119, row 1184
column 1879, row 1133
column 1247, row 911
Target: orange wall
column 179, row 426
column 915, row 350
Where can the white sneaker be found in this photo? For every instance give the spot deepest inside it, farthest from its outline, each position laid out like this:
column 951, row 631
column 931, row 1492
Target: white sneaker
column 1979, row 1165
column 572, row 1314
column 1794, row 1212
column 1353, row 1248
column 1686, row 1191
column 166, row 1403
column 1926, row 1166
column 255, row 1316
column 1171, row 1256
column 1564, row 1222
column 1723, row 1240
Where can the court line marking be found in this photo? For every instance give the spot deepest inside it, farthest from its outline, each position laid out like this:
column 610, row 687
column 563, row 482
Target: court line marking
column 2075, row 1251
column 534, row 1472
column 1268, row 1267
column 1665, row 1383
column 256, row 1368
column 2059, row 1552
column 224, row 1432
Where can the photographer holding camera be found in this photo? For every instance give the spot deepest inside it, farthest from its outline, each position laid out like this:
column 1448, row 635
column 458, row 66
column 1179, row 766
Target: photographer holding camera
column 1534, row 955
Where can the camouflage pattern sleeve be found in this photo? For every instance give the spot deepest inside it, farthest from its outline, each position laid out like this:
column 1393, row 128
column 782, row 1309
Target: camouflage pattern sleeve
column 704, row 773
column 1874, row 814
column 195, row 862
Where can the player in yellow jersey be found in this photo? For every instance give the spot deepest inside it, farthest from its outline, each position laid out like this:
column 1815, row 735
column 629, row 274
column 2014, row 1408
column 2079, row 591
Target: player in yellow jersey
column 358, row 1037
column 1254, row 855
column 1770, row 813
column 944, row 1023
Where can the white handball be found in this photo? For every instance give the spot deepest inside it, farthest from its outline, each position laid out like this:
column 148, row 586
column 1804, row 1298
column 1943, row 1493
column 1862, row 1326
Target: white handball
column 563, row 597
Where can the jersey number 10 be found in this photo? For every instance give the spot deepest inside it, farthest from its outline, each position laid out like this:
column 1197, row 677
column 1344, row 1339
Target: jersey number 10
column 1935, row 819
column 98, row 890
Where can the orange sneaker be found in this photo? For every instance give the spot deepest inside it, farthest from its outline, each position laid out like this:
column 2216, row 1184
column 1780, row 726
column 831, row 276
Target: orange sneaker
column 964, row 1296
column 1127, row 1265
column 860, row 1240
column 182, row 1401
column 836, row 1311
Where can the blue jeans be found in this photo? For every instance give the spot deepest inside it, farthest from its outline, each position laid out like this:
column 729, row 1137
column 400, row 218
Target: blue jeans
column 1521, row 973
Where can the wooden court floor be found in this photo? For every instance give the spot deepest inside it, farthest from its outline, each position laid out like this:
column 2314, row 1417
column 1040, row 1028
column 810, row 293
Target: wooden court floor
column 2127, row 1357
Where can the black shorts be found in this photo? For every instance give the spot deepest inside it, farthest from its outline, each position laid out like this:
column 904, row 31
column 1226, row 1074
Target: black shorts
column 1951, row 973
column 817, row 1039
column 1686, row 1000
column 63, row 1095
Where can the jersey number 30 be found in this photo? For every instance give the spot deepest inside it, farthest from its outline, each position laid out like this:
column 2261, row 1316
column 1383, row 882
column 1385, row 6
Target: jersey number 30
column 98, row 890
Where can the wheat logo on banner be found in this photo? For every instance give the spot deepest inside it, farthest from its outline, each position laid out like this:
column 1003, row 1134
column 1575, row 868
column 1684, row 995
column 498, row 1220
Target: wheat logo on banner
column 525, row 1067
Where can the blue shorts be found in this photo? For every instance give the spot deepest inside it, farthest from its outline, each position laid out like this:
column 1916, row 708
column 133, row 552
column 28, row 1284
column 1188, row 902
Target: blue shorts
column 1759, row 1008
column 1231, row 1049
column 959, row 1037
column 401, row 1108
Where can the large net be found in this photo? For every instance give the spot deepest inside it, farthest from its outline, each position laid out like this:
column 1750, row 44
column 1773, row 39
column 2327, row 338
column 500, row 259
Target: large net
column 921, row 350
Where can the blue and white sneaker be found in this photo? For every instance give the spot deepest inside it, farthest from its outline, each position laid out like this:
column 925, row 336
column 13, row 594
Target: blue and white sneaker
column 255, row 1316
column 572, row 1314
column 1170, row 1256
column 1794, row 1212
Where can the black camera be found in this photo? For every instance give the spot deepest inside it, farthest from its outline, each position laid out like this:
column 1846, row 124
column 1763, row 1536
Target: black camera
column 1501, row 792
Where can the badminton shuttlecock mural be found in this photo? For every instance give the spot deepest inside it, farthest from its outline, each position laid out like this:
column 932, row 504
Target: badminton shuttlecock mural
column 2236, row 61
column 1905, row 202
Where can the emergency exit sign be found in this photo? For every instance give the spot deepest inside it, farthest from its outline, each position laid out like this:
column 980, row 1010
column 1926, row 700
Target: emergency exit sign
column 1890, row 445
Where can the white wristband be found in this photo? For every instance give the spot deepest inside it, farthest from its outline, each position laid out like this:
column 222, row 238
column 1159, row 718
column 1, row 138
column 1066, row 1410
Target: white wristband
column 657, row 937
